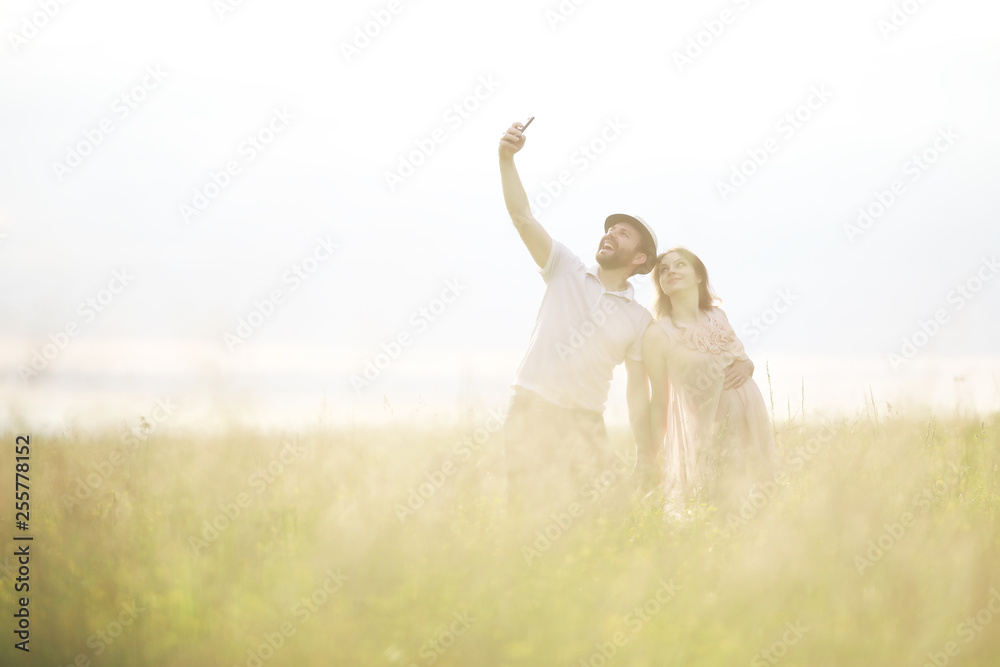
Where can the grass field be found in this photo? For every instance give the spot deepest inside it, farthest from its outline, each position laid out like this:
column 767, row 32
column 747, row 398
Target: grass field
column 877, row 545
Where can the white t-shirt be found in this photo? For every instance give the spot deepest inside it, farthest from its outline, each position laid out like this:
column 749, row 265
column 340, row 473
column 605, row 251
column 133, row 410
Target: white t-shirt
column 581, row 333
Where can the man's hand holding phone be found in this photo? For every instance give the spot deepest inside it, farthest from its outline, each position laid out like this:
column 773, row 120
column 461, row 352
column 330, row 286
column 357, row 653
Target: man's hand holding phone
column 513, row 140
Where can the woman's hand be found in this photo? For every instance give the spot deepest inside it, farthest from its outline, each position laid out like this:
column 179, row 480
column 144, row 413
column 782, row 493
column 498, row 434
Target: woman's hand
column 737, row 373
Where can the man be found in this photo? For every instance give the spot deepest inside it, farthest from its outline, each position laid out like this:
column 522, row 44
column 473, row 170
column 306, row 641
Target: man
column 589, row 323
column 556, row 444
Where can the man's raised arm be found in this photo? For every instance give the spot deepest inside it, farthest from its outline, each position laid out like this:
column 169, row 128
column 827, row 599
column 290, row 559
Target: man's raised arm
column 537, row 240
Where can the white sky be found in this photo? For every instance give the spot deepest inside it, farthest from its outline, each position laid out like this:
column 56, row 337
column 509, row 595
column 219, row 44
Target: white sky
column 324, row 176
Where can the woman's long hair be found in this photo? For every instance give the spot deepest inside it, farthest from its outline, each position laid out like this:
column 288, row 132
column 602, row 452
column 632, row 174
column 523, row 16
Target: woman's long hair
column 661, row 303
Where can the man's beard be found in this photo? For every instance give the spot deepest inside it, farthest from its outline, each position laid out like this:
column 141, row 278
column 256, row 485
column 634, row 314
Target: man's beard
column 612, row 262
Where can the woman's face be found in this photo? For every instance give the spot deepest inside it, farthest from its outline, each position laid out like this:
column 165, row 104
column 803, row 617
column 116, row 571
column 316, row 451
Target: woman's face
column 677, row 274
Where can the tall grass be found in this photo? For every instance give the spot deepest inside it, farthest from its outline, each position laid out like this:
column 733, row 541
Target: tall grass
column 490, row 591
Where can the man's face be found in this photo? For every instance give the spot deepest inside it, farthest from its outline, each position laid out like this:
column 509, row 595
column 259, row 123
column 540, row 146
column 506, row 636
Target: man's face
column 619, row 246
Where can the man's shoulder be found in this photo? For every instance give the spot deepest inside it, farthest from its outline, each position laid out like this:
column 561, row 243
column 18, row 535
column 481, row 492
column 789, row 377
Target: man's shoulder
column 562, row 260
column 565, row 253
column 639, row 312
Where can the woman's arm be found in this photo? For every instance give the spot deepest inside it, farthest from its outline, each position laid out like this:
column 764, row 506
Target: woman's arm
column 654, row 348
column 741, row 369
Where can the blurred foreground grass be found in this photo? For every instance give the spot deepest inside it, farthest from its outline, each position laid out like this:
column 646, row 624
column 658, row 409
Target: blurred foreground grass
column 879, row 546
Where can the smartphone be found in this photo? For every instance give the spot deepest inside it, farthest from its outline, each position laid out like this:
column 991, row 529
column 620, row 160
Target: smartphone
column 527, row 123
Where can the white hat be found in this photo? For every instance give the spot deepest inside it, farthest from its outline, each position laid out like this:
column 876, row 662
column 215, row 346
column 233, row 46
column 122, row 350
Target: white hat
column 642, row 226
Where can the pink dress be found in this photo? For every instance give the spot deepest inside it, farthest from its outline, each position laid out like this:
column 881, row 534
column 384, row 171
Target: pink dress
column 718, row 441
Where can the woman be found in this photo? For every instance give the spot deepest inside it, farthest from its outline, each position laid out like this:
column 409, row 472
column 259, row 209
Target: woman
column 713, row 441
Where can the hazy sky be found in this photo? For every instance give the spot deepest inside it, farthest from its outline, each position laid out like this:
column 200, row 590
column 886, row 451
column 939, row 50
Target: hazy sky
column 214, row 152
